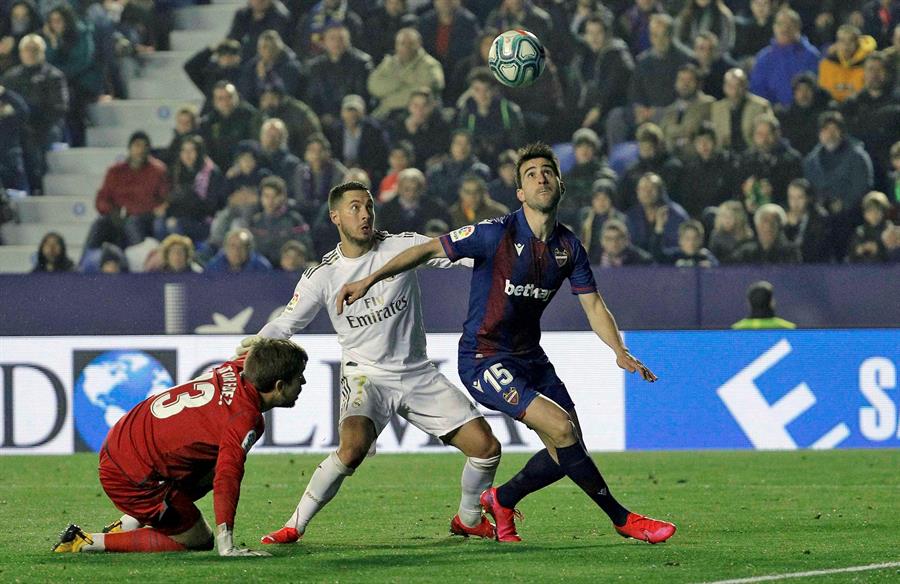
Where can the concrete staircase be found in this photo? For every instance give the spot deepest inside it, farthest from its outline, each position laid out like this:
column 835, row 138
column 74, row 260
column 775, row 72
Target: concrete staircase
column 156, row 92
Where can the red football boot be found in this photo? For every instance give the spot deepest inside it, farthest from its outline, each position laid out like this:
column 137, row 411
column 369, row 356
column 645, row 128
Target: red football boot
column 646, row 529
column 484, row 529
column 283, row 535
column 503, row 516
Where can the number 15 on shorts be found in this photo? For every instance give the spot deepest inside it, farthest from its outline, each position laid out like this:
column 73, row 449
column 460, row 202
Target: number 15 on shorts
column 497, row 376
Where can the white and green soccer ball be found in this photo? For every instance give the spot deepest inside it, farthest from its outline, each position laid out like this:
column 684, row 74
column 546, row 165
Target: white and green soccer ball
column 516, row 58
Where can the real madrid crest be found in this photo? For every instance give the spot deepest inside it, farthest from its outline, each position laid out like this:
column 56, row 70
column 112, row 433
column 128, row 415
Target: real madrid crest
column 562, row 256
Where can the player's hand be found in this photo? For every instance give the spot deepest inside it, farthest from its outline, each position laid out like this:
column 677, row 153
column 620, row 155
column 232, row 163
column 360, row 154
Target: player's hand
column 351, row 292
column 630, row 363
column 225, row 545
column 245, row 346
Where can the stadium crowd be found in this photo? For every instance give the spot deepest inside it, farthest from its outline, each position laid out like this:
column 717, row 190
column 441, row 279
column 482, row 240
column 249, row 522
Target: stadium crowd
column 690, row 132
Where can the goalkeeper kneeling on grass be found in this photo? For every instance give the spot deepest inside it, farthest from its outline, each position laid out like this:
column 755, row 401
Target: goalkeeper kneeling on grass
column 176, row 446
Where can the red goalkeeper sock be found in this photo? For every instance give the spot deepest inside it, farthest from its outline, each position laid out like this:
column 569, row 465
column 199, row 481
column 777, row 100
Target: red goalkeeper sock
column 141, row 540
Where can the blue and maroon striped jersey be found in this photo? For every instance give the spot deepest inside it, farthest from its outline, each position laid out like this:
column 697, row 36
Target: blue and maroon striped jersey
column 515, row 277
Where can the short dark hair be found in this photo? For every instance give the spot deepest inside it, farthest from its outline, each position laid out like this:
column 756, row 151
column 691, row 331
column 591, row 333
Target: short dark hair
column 832, row 117
column 228, row 47
column 337, row 193
column 692, row 224
column 318, row 138
column 692, row 69
column 273, row 182
column 272, row 359
column 532, row 151
column 406, row 147
column 480, row 74
column 475, row 178
column 139, row 135
column 802, row 184
column 759, row 295
column 706, row 129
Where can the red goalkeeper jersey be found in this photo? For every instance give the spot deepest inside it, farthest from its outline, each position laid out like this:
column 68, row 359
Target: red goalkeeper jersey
column 209, row 423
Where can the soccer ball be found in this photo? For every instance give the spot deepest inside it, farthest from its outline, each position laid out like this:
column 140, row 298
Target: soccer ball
column 516, row 58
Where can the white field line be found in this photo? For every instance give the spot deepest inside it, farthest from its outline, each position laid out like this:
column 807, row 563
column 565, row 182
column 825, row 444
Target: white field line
column 772, row 577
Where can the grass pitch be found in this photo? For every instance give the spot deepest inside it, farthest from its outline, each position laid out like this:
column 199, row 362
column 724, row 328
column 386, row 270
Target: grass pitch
column 739, row 514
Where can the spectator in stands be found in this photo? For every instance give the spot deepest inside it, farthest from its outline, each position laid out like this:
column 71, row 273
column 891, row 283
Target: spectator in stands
column 20, row 18
column 652, row 85
column 766, row 168
column 52, row 255
column 707, row 174
column 617, row 247
column 789, row 53
column 599, row 74
column 866, row 245
column 712, row 64
column 752, row 33
column 258, row 16
column 187, row 124
column 730, row 231
column 699, row 16
column 175, row 255
column 495, row 122
column 276, row 223
column 241, row 190
column 197, row 193
column 894, row 176
column 771, row 246
column 503, row 188
column 589, row 166
column 70, row 47
column 294, row 257
column 732, row 117
column 583, row 10
column 841, row 71
column 318, row 174
column 412, row 207
column 211, row 65
column 456, row 78
column 13, row 128
column 113, row 259
column 798, row 121
column 807, row 224
column 274, row 61
column 299, row 119
column 444, row 177
column 689, row 253
column 448, row 31
column 274, row 154
column 359, row 140
column 401, row 157
column 595, row 216
column 475, row 203
column 881, row 18
column 873, row 114
column 238, row 255
column 682, row 119
column 382, row 25
column 341, row 70
column 892, row 58
column 132, row 195
column 320, row 17
column 840, row 172
column 633, row 25
column 395, row 79
column 652, row 157
column 654, row 206
column 519, row 14
column 230, row 121
column 762, row 310
column 423, row 126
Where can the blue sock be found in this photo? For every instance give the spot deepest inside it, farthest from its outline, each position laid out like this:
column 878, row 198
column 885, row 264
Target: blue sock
column 579, row 467
column 540, row 471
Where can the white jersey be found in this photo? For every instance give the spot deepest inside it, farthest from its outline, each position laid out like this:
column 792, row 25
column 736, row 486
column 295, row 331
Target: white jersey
column 384, row 328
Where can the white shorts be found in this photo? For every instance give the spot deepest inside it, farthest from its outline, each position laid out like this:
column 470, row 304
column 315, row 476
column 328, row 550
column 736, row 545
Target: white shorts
column 423, row 396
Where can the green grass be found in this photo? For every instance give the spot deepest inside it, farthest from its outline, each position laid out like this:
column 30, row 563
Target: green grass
column 739, row 514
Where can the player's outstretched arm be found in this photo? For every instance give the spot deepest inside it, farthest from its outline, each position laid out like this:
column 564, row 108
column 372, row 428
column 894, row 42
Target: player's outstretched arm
column 405, row 260
column 603, row 323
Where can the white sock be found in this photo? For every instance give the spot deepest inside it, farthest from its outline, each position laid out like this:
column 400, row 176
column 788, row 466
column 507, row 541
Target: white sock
column 129, row 523
column 477, row 476
column 322, row 487
column 99, row 544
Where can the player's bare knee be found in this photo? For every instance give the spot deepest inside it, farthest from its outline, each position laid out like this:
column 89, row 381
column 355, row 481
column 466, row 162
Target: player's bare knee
column 353, row 453
column 561, row 431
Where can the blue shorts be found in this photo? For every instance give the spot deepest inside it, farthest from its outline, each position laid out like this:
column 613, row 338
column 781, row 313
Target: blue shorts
column 509, row 384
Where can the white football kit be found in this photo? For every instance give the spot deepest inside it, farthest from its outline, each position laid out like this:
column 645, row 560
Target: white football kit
column 384, row 364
